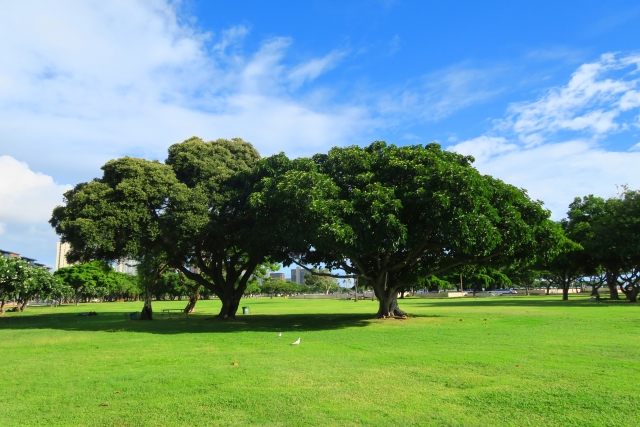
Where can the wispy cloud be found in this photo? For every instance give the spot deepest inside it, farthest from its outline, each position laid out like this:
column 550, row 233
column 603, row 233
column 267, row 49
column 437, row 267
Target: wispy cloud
column 591, row 102
column 394, row 44
column 310, row 70
column 440, row 94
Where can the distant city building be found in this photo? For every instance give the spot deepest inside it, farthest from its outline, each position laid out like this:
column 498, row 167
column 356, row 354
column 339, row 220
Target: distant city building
column 279, row 276
column 126, row 266
column 61, row 255
column 297, row 275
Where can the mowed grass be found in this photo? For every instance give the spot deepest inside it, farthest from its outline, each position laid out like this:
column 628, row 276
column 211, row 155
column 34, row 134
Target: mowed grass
column 525, row 361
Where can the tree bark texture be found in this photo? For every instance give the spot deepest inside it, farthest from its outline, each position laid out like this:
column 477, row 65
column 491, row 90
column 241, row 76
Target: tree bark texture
column 565, row 292
column 2, row 307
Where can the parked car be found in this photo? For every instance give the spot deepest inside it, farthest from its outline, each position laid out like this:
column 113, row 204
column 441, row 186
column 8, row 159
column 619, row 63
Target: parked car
column 497, row 292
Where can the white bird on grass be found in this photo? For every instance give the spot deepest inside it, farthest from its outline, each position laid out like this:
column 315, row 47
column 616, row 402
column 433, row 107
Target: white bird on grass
column 297, row 342
column 280, row 334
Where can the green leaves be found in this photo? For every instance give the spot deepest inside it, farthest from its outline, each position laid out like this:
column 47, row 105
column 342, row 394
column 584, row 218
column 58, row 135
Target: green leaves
column 393, row 209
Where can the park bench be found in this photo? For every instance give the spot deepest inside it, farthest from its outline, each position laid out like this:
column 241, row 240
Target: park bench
column 169, row 311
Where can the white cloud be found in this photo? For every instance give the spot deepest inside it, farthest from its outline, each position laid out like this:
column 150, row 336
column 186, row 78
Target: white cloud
column 484, row 147
column 89, row 81
column 26, row 196
column 94, row 80
column 84, row 82
column 555, row 146
column 556, row 173
column 590, row 102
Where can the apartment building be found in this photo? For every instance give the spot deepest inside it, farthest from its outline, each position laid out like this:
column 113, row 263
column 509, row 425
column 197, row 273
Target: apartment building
column 30, row 261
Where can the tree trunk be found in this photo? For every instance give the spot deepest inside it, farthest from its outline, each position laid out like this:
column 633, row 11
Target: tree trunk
column 565, row 292
column 147, row 311
column 594, row 291
column 193, row 299
column 229, row 307
column 2, row 307
column 388, row 304
column 631, row 292
column 612, row 283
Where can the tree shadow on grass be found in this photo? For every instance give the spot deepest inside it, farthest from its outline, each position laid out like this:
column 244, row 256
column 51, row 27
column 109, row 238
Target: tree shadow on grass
column 195, row 323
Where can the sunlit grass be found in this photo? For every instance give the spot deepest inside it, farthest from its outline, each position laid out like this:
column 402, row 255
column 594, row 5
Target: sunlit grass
column 484, row 362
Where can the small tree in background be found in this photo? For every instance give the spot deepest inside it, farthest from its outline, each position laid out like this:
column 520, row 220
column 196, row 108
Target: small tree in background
column 13, row 271
column 88, row 280
column 316, row 282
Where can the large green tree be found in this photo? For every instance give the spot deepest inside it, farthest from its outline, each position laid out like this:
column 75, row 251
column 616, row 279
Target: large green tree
column 391, row 215
column 616, row 242
column 192, row 209
column 609, row 230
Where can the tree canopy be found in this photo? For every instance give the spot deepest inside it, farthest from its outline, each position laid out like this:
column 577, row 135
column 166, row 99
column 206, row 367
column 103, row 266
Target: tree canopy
column 390, row 215
column 191, row 210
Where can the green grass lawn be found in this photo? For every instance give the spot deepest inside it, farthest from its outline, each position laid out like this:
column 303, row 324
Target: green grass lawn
column 521, row 361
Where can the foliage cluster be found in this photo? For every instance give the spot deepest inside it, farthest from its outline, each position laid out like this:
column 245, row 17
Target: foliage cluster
column 21, row 282
column 97, row 279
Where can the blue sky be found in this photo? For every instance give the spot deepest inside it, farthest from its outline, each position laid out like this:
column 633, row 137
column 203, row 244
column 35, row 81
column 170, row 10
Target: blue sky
column 545, row 95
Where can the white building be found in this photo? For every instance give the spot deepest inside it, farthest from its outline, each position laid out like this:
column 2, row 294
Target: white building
column 122, row 266
column 61, row 255
column 126, row 266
